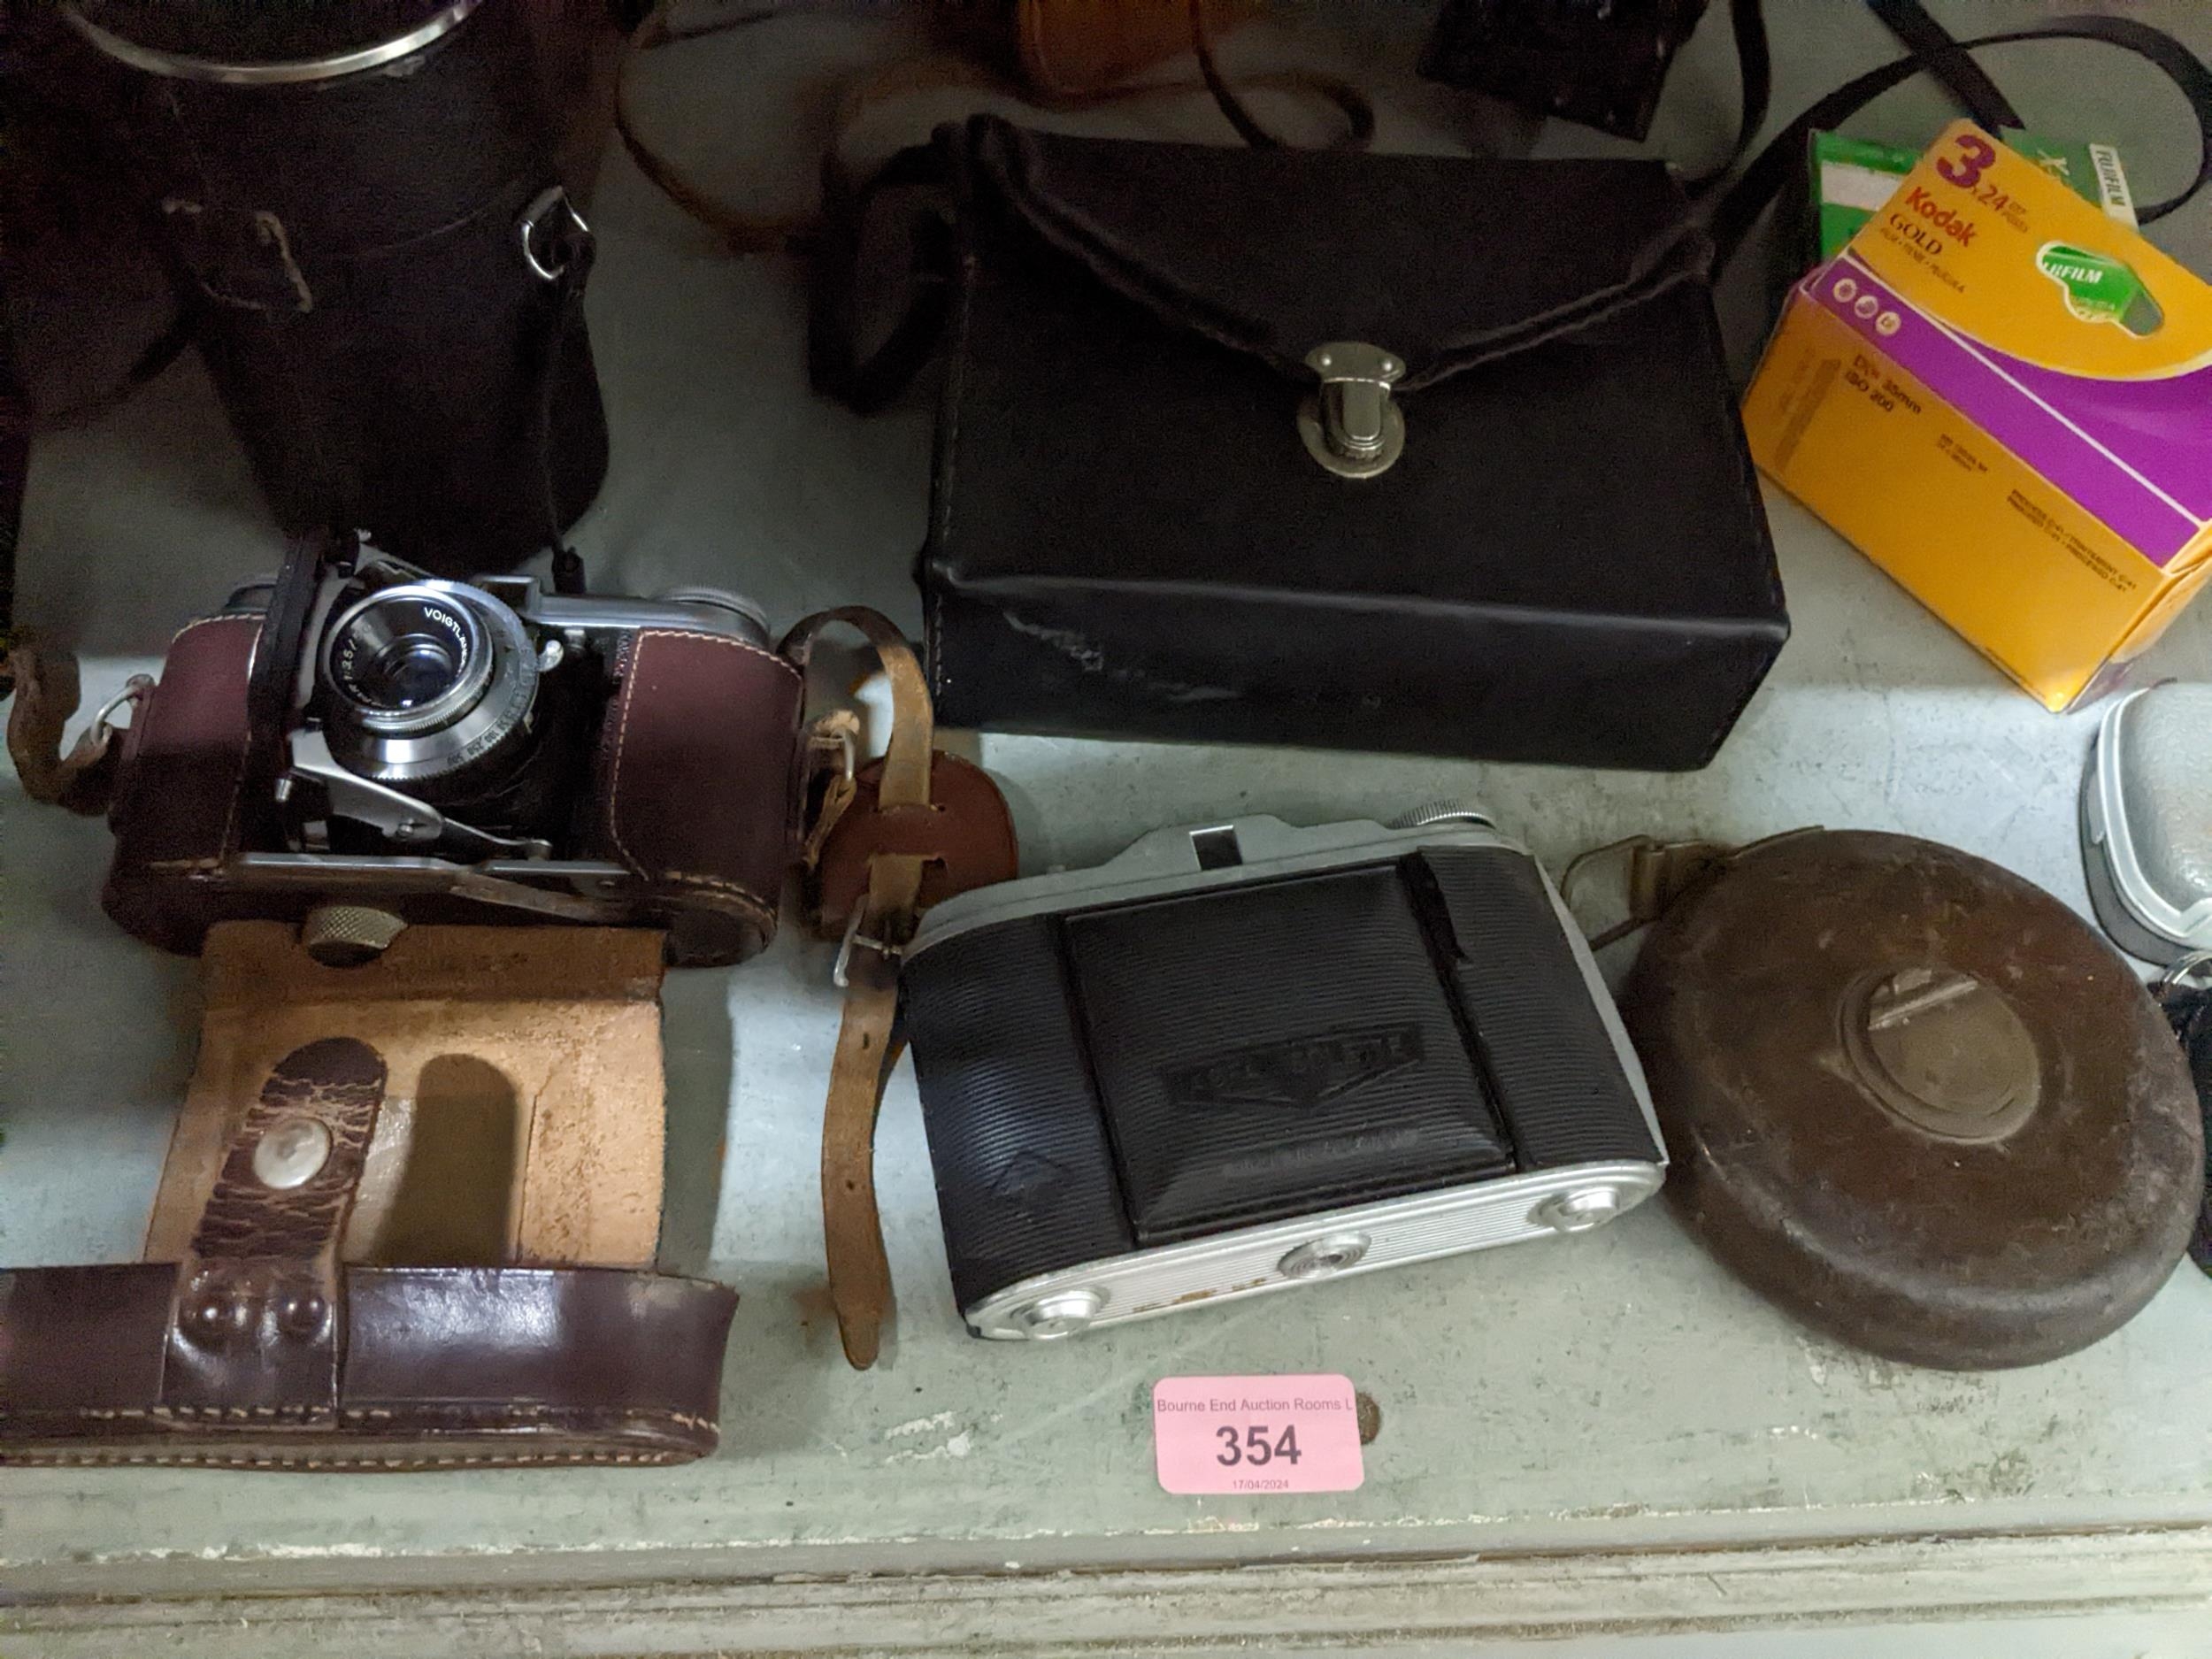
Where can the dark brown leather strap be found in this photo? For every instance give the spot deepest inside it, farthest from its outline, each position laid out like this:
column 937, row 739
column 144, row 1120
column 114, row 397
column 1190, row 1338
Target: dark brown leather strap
column 750, row 232
column 46, row 692
column 255, row 1321
column 1359, row 115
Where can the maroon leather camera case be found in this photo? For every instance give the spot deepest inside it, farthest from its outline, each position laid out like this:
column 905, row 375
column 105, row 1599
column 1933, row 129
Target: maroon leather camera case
column 698, row 778
column 697, row 774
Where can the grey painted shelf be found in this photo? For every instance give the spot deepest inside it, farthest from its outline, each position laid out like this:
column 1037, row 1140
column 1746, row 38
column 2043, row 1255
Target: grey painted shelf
column 1613, row 1392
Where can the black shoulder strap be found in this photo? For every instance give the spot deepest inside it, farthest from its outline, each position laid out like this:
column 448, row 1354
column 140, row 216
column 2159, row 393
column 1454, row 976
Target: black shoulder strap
column 1746, row 21
column 15, row 470
column 834, row 362
column 1733, row 207
column 1738, row 208
column 1949, row 61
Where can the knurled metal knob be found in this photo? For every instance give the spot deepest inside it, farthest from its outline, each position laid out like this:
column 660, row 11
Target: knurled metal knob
column 348, row 935
column 1441, row 812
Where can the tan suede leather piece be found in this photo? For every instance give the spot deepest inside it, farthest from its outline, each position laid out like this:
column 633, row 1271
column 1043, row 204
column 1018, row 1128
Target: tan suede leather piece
column 566, row 1019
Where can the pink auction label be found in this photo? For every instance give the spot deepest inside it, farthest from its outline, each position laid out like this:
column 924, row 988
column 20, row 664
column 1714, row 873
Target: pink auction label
column 1255, row 1433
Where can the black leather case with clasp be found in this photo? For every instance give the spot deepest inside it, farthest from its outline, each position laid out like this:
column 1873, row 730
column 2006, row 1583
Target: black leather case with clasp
column 1568, row 560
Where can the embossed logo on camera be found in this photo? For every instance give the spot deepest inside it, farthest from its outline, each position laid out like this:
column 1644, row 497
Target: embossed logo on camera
column 1296, row 1073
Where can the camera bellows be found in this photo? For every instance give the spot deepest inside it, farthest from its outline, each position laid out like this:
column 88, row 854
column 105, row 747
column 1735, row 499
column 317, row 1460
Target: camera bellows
column 1916, row 1101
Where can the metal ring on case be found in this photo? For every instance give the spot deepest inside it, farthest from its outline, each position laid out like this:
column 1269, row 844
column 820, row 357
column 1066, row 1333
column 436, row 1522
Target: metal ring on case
column 531, row 224
column 185, row 66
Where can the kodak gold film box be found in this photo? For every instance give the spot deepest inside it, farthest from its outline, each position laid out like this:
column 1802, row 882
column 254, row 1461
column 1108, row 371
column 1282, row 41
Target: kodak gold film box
column 2003, row 397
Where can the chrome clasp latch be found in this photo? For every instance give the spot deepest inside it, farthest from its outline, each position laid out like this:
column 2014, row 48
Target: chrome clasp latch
column 1352, row 425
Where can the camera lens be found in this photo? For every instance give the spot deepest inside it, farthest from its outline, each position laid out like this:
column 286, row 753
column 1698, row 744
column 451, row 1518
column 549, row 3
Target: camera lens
column 426, row 680
column 408, row 671
column 405, row 651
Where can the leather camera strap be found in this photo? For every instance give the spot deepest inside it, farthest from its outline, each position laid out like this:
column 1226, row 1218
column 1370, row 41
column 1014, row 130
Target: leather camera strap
column 890, row 840
column 257, row 1324
column 47, row 692
column 15, row 473
column 569, row 251
column 742, row 231
column 2184, row 991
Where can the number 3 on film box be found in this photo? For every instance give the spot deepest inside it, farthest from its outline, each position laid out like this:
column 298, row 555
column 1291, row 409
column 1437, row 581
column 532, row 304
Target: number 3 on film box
column 2004, row 398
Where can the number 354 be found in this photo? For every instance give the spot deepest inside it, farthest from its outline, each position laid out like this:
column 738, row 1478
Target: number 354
column 1253, row 1447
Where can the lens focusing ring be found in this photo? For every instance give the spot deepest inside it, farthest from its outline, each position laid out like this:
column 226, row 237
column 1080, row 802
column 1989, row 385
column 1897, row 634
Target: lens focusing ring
column 425, row 680
column 380, row 638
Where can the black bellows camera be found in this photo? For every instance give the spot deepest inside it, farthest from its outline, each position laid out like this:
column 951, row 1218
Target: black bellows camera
column 1242, row 1056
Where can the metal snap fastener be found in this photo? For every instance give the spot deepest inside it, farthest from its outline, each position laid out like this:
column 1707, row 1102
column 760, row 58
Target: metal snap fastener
column 1062, row 1314
column 302, row 1313
column 291, row 1153
column 216, row 1321
column 1331, row 1253
column 1578, row 1212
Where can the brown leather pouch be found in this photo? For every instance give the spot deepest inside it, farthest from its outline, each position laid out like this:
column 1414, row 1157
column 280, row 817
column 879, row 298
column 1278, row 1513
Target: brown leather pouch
column 1076, row 49
column 283, row 1318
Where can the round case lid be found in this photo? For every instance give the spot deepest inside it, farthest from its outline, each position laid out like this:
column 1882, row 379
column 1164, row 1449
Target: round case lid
column 1916, row 1099
column 246, row 41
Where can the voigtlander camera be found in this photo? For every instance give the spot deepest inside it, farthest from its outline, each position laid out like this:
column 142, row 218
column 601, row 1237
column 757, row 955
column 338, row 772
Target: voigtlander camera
column 356, row 732
column 1242, row 1057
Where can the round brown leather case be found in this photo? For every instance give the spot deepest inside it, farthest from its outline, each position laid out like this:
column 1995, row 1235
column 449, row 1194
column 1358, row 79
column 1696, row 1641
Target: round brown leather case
column 1916, row 1099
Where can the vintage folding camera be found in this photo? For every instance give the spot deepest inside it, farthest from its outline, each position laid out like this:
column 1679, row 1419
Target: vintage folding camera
column 354, row 740
column 1241, row 1056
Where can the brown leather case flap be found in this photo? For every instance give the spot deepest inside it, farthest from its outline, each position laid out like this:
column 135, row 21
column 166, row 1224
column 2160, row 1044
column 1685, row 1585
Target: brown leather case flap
column 698, row 772
column 443, row 1367
column 523, row 1120
column 259, row 1350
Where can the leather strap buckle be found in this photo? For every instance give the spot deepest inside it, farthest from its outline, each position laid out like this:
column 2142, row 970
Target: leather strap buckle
column 840, row 971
